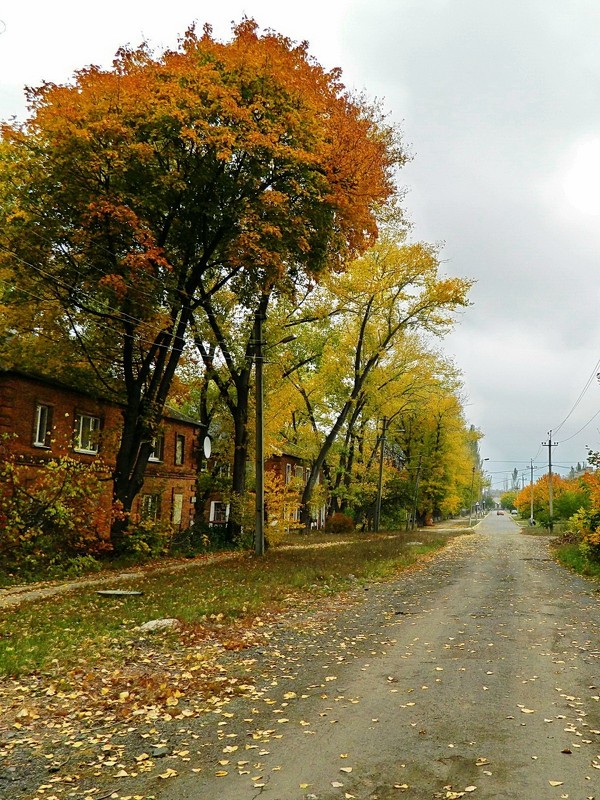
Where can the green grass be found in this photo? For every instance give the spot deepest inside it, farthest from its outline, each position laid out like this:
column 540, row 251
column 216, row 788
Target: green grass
column 570, row 556
column 81, row 628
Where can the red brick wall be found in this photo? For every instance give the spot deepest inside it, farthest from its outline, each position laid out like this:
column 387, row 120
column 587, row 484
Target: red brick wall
column 19, row 397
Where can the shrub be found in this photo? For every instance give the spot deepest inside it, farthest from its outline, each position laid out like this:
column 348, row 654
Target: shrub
column 147, row 538
column 339, row 523
column 585, row 525
column 50, row 512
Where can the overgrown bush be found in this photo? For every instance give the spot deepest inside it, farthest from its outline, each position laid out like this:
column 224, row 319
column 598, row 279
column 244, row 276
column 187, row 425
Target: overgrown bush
column 339, row 523
column 585, row 524
column 51, row 512
column 147, row 538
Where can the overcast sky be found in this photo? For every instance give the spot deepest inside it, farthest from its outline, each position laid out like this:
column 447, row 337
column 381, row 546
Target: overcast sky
column 499, row 102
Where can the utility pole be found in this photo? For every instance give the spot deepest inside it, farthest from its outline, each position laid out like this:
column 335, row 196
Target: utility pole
column 471, row 500
column 259, row 527
column 416, row 497
column 531, row 493
column 380, row 482
column 550, row 444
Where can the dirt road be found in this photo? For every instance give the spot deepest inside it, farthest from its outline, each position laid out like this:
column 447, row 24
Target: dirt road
column 479, row 675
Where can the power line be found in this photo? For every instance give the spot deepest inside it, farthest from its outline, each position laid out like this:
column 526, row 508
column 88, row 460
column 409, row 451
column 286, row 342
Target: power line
column 581, row 429
column 94, row 321
column 579, row 399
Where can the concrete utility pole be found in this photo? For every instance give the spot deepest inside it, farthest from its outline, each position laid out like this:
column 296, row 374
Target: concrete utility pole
column 471, row 500
column 380, row 482
column 550, row 444
column 531, row 491
column 416, row 497
column 259, row 527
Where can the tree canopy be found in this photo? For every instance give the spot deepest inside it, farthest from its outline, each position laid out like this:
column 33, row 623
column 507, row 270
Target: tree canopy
column 133, row 196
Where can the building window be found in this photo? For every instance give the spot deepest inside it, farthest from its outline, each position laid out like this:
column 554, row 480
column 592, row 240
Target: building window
column 150, row 508
column 219, row 512
column 299, row 473
column 223, row 470
column 87, row 433
column 158, row 448
column 179, row 449
column 288, row 473
column 42, row 426
column 177, row 509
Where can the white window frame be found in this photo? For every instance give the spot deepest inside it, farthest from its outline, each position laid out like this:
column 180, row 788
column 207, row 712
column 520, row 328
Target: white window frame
column 158, row 448
column 88, row 425
column 213, row 508
column 288, row 473
column 43, row 422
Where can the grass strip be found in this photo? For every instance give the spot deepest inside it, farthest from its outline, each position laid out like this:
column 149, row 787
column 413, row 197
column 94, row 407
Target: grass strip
column 79, row 628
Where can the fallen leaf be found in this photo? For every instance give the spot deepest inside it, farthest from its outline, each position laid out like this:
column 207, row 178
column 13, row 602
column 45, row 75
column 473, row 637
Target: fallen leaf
column 170, row 773
column 555, row 783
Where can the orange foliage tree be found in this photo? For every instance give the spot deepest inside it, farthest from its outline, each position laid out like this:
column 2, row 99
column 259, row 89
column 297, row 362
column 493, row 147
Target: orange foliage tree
column 133, row 197
column 568, row 495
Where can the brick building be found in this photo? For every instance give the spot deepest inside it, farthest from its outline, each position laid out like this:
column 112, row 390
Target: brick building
column 49, row 419
column 293, row 473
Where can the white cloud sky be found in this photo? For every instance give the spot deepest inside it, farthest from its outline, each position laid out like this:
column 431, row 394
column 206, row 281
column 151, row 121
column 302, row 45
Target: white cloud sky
column 499, row 103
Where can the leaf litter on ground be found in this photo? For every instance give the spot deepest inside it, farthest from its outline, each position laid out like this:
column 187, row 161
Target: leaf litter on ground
column 83, row 684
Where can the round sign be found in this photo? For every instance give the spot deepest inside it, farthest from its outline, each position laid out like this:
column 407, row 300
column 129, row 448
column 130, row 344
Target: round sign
column 207, row 445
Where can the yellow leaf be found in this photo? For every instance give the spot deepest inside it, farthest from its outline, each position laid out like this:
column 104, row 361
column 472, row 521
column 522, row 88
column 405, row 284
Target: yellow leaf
column 555, row 783
column 170, row 773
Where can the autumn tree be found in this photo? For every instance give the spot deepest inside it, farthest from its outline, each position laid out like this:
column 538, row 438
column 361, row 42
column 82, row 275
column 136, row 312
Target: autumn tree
column 133, row 197
column 394, row 289
column 569, row 495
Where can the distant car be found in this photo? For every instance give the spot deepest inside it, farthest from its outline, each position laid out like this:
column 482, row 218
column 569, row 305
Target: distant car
column 500, row 513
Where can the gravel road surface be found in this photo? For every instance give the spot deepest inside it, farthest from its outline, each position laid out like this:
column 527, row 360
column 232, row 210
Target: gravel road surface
column 478, row 676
